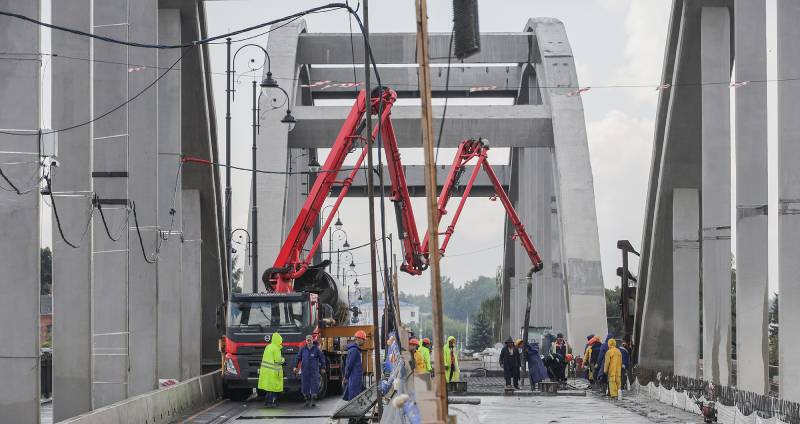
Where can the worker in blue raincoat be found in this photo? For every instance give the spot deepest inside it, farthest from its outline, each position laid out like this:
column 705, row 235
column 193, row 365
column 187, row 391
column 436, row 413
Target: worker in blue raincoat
column 536, row 371
column 600, row 376
column 310, row 362
column 353, row 370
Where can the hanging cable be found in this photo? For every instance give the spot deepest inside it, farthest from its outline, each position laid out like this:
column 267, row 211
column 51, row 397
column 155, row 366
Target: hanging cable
column 58, row 220
column 139, row 235
column 136, row 96
column 327, row 7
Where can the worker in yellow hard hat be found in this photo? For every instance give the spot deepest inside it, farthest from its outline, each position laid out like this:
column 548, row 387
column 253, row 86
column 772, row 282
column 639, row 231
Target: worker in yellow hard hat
column 353, row 370
column 418, row 359
column 425, row 351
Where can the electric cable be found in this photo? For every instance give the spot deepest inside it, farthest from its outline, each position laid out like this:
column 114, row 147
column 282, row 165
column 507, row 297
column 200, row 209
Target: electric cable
column 261, row 171
column 58, row 220
column 327, row 7
column 99, row 206
column 139, row 235
column 109, row 112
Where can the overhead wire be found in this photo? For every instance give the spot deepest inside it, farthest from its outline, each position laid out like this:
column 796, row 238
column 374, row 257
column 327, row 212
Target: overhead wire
column 112, row 110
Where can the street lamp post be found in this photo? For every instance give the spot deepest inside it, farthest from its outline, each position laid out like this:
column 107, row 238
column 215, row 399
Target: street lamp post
column 267, row 82
column 338, row 225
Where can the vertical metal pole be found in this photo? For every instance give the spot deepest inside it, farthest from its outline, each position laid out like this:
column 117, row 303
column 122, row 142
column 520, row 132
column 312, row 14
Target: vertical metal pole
column 228, row 258
column 254, row 210
column 623, row 294
column 432, row 207
column 371, row 199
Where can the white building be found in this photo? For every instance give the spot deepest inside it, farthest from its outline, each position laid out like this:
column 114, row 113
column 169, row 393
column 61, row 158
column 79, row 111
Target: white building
column 409, row 313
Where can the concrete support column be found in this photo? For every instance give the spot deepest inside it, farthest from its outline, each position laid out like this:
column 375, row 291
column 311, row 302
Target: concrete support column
column 573, row 179
column 788, row 195
column 190, row 317
column 509, row 270
column 715, row 65
column 686, row 285
column 751, row 196
column 72, row 185
column 143, row 168
column 170, row 299
column 19, row 215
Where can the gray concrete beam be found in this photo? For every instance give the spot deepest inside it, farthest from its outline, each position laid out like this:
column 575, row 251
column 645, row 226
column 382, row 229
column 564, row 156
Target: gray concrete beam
column 686, row 272
column 198, row 139
column 752, row 284
column 494, row 81
column 503, row 126
column 788, row 195
column 667, row 74
column 678, row 153
column 143, row 188
column 573, row 179
column 715, row 65
column 170, row 352
column 415, row 175
column 399, row 48
column 72, row 268
column 19, row 215
column 191, row 331
column 509, row 267
column 110, row 265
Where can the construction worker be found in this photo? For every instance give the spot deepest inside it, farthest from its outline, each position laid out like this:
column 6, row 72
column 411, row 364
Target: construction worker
column 509, row 360
column 625, row 350
column 353, row 370
column 536, row 370
column 600, row 376
column 270, row 375
column 612, row 368
column 451, row 370
column 425, row 351
column 593, row 347
column 310, row 363
column 418, row 361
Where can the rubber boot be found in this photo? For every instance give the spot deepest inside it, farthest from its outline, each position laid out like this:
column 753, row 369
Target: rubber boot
column 313, row 400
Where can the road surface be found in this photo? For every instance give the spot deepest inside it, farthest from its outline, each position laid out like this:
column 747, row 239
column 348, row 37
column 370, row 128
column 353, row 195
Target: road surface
column 254, row 412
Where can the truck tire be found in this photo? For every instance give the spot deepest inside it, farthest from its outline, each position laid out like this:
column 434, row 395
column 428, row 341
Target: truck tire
column 236, row 395
column 323, row 386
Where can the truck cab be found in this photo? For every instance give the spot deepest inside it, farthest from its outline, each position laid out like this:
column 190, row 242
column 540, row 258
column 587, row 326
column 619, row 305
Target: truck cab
column 251, row 319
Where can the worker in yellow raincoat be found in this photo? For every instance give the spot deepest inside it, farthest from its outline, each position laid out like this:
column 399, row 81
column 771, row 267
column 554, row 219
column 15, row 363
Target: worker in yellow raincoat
column 270, row 375
column 612, row 367
column 425, row 351
column 451, row 370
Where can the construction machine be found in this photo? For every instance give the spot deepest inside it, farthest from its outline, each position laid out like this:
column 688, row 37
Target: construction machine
column 301, row 297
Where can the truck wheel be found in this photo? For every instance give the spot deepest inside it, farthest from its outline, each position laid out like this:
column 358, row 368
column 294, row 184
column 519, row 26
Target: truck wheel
column 323, row 386
column 236, row 395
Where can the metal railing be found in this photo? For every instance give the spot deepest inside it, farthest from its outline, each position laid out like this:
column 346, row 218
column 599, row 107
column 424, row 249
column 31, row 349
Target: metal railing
column 765, row 406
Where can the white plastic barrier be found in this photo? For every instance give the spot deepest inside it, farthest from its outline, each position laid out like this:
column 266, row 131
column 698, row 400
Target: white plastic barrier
column 682, row 400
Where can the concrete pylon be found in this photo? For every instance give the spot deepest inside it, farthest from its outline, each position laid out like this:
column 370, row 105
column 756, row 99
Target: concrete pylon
column 715, row 71
column 788, row 196
column 19, row 214
column 555, row 67
column 750, row 36
column 686, row 272
column 72, row 187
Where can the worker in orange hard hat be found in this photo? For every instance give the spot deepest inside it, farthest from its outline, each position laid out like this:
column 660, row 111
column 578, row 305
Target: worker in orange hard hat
column 418, row 360
column 425, row 351
column 353, row 370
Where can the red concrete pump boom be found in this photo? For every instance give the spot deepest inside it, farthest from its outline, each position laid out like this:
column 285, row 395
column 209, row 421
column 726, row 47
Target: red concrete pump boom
column 293, row 266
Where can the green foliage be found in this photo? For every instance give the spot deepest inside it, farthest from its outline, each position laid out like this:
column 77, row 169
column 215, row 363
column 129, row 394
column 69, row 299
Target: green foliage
column 236, row 284
column 613, row 312
column 451, row 327
column 46, row 271
column 481, row 334
column 773, row 330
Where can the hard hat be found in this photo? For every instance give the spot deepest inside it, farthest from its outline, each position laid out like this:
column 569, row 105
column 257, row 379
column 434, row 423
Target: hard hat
column 360, row 334
column 568, row 357
column 426, row 340
column 518, row 341
column 414, row 342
